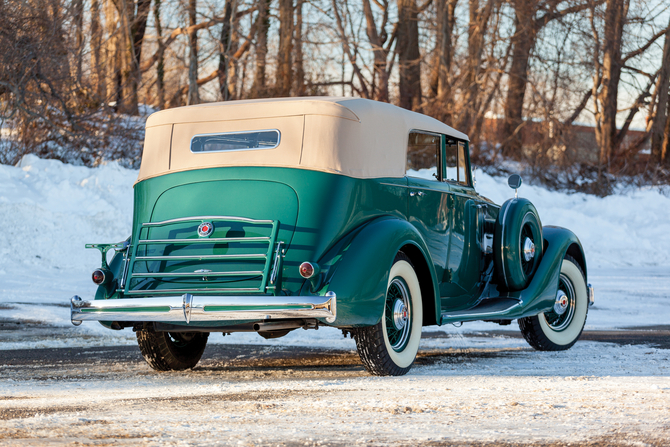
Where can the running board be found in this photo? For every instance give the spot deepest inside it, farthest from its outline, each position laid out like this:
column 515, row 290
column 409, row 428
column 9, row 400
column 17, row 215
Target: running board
column 493, row 308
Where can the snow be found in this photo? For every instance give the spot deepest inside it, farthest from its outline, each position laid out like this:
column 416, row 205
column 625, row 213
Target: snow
column 594, row 392
column 49, row 210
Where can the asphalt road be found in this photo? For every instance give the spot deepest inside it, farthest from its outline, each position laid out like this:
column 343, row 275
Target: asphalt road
column 250, row 356
column 262, row 395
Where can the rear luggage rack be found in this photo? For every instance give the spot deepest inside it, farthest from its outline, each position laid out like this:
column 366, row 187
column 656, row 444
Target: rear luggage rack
column 251, row 268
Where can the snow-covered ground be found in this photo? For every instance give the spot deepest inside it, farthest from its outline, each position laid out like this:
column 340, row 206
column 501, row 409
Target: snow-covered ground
column 48, row 210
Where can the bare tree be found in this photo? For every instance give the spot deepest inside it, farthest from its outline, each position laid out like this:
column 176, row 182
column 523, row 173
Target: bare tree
column 530, row 17
column 284, row 77
column 472, row 79
column 660, row 129
column 160, row 63
column 259, row 87
column 193, row 91
column 96, row 48
column 297, row 43
column 225, row 45
column 409, row 55
column 441, row 75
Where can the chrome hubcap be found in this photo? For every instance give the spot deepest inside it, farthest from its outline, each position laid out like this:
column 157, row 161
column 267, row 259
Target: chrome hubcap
column 563, row 312
column 400, row 314
column 562, row 302
column 528, row 249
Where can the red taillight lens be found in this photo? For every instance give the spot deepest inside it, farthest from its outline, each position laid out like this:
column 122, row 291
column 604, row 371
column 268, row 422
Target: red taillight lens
column 306, row 270
column 98, row 277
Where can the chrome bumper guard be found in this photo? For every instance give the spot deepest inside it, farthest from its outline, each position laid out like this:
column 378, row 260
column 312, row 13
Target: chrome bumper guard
column 592, row 295
column 187, row 308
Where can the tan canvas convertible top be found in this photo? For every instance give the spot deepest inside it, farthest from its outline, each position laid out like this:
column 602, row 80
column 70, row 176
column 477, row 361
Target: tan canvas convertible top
column 350, row 136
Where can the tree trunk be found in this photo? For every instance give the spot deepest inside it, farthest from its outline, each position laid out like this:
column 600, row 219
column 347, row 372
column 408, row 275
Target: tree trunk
column 615, row 13
column 479, row 18
column 160, row 63
column 114, row 50
column 132, row 23
column 665, row 149
column 659, row 125
column 523, row 42
column 444, row 52
column 98, row 80
column 78, row 19
column 235, row 54
column 258, row 89
column 409, row 56
column 284, row 67
column 297, row 41
column 380, row 88
column 224, row 50
column 193, row 93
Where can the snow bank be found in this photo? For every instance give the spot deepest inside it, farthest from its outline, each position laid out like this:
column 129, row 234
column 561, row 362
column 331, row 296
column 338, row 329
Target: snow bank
column 623, row 230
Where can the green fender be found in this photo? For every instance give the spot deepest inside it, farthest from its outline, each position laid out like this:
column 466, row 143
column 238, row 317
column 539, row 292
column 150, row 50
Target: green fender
column 540, row 294
column 357, row 270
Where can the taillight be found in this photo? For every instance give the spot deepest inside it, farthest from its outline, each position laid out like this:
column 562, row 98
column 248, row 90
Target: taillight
column 309, row 270
column 98, row 276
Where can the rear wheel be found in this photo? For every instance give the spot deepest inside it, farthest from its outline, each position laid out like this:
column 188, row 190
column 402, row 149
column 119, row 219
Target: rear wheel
column 389, row 347
column 559, row 328
column 171, row 351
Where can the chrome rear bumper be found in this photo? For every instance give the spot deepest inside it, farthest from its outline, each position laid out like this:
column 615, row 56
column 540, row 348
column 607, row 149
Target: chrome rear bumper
column 187, row 308
column 592, row 295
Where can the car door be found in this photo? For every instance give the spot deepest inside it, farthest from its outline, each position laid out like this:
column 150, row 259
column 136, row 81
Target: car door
column 463, row 268
column 428, row 207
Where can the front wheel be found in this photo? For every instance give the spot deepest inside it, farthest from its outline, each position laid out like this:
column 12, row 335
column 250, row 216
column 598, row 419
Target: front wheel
column 389, row 347
column 171, row 351
column 559, row 328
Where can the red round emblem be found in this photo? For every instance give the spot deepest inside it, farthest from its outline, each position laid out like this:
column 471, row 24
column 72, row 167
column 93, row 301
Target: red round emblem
column 205, row 229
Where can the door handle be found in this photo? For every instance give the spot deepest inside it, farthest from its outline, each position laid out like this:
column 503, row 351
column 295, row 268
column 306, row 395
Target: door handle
column 417, row 193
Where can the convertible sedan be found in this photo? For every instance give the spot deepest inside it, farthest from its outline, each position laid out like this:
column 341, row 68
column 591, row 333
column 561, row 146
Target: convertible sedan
column 277, row 214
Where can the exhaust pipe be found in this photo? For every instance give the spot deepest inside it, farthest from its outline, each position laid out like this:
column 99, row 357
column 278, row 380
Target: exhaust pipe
column 285, row 325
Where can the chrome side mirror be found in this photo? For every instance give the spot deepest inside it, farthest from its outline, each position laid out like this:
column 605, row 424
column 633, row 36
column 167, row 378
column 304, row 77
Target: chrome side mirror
column 473, row 170
column 514, row 181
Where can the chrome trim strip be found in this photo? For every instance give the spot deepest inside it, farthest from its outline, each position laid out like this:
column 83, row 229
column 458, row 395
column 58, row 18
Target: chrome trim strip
column 188, row 307
column 473, row 196
column 198, row 257
column 203, row 240
column 146, row 292
column 199, row 218
column 197, row 274
column 277, row 261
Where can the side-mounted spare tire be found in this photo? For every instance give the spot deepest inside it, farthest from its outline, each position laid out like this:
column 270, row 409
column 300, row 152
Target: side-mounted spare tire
column 517, row 243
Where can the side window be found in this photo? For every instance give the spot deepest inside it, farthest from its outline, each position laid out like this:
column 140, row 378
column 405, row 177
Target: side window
column 456, row 164
column 423, row 155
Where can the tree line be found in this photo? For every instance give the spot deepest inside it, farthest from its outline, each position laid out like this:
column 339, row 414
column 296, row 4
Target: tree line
column 515, row 75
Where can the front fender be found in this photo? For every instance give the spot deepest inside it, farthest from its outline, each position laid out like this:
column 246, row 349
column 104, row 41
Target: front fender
column 359, row 269
column 540, row 294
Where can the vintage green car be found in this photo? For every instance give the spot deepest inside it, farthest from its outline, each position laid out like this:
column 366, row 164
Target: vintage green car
column 277, row 214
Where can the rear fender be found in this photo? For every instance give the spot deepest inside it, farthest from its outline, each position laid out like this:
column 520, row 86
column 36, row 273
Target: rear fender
column 540, row 294
column 357, row 270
